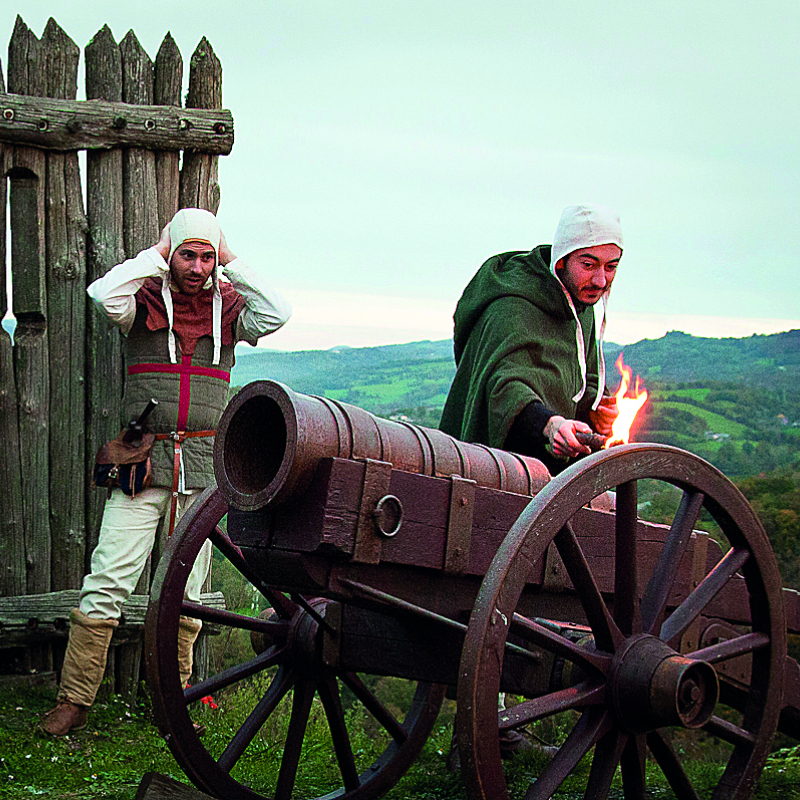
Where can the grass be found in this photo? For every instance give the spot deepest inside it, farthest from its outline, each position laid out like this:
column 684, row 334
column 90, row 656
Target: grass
column 105, row 760
column 120, row 744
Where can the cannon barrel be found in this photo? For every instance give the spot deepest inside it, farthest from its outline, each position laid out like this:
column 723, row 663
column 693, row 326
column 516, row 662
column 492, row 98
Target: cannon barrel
column 270, row 440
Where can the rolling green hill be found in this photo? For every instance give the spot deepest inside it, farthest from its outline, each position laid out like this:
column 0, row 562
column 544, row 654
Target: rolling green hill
column 772, row 360
column 419, row 374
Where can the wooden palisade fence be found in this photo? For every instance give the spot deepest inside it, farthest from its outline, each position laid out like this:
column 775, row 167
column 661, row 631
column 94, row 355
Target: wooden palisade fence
column 61, row 377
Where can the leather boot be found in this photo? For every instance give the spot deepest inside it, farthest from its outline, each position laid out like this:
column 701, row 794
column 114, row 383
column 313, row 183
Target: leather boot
column 62, row 719
column 85, row 659
column 188, row 630
column 81, row 673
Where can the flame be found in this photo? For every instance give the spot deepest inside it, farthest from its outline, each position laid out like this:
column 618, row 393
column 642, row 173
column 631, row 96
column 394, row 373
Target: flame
column 628, row 406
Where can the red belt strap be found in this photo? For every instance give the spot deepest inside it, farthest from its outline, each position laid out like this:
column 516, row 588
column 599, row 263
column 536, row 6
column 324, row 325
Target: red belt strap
column 178, row 437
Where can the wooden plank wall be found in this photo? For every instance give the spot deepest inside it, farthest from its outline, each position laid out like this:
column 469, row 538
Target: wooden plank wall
column 61, row 380
column 27, row 169
column 12, row 541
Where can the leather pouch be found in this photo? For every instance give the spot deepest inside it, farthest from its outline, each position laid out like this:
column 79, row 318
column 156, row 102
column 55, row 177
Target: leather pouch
column 125, row 465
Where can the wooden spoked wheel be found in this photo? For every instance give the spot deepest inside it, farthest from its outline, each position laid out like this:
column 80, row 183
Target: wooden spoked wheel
column 634, row 692
column 289, row 665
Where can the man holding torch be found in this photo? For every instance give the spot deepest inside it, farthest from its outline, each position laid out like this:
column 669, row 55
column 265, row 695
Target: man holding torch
column 528, row 344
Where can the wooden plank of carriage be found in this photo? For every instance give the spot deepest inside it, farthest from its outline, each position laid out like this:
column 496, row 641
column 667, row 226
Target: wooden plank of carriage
column 140, row 230
column 105, row 248
column 65, row 233
column 45, row 617
column 199, row 173
column 12, row 537
column 168, row 79
column 155, row 786
column 27, row 170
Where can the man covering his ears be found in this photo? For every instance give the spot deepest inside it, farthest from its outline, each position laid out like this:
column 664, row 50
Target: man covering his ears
column 182, row 306
column 528, row 343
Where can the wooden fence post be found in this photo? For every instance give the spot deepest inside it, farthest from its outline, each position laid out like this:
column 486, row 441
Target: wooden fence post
column 25, row 74
column 200, row 189
column 105, row 249
column 199, row 174
column 168, row 79
column 12, row 536
column 140, row 203
column 104, row 377
column 140, row 230
column 27, row 169
column 65, row 231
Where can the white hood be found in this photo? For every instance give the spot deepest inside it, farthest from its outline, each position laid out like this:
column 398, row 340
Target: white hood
column 586, row 226
column 195, row 224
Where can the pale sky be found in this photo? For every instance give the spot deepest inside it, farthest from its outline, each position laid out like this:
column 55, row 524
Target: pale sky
column 385, row 149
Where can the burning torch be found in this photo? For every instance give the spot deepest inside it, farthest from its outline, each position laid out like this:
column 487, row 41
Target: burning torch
column 628, row 407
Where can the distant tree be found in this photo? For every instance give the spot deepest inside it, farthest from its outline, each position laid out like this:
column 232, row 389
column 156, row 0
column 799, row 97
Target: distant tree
column 775, row 497
column 764, row 457
column 727, row 459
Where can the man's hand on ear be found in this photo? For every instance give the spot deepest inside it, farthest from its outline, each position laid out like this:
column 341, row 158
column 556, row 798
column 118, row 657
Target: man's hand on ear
column 163, row 244
column 225, row 254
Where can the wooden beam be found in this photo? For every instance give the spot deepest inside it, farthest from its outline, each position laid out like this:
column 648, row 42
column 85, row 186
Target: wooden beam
column 161, row 787
column 36, row 680
column 31, row 619
column 100, row 125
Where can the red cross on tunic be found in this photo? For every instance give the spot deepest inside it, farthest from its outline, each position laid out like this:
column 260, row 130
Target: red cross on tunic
column 185, row 370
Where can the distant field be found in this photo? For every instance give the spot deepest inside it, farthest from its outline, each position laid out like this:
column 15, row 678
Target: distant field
column 714, row 422
column 694, row 394
column 384, row 393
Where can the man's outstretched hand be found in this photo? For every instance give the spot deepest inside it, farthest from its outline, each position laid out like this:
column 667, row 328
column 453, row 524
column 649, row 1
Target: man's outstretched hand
column 561, row 435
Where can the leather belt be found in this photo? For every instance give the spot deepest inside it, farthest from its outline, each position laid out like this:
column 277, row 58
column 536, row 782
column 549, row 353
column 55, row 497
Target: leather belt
column 178, row 437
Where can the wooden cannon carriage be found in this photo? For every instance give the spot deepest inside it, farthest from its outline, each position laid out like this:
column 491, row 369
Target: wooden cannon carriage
column 387, row 549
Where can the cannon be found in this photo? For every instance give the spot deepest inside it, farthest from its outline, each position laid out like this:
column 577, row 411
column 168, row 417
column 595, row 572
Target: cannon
column 383, row 548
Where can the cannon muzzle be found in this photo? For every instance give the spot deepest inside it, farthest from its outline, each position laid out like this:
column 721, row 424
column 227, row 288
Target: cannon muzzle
column 271, row 439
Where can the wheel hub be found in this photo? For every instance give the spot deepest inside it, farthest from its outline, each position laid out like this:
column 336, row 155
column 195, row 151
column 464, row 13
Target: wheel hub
column 303, row 636
column 653, row 686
